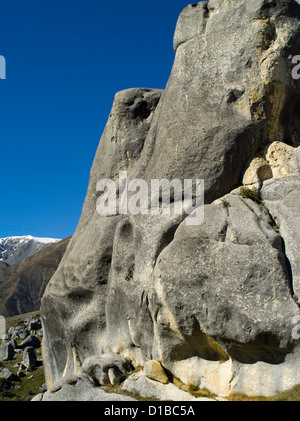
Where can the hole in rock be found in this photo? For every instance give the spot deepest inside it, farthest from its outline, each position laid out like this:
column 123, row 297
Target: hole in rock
column 126, row 231
column 142, row 110
column 130, row 273
column 104, row 269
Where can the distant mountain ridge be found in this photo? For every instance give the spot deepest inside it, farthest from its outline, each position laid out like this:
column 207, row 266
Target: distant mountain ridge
column 15, row 249
column 22, row 284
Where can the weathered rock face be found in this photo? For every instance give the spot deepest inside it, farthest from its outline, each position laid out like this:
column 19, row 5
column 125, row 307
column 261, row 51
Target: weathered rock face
column 282, row 197
column 276, row 160
column 150, row 287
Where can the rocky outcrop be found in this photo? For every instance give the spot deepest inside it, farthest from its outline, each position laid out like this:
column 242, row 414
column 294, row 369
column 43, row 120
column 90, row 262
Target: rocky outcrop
column 213, row 303
column 276, row 160
column 78, row 388
column 6, row 351
column 106, row 369
column 154, row 371
column 282, row 197
column 139, row 384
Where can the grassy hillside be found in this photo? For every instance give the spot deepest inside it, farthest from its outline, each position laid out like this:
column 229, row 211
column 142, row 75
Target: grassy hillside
column 23, row 284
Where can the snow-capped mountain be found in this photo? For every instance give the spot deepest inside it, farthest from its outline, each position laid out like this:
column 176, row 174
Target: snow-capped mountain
column 15, row 249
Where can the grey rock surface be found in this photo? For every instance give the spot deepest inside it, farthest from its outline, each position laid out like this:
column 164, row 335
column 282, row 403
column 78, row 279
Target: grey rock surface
column 115, row 376
column 29, row 357
column 108, row 368
column 150, row 287
column 139, row 384
column 282, row 197
column 30, row 341
column 78, row 388
column 297, row 156
column 6, row 351
column 6, row 374
column 13, row 343
column 18, row 332
column 238, row 299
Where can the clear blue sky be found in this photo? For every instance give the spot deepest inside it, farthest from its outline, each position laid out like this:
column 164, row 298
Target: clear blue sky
column 65, row 60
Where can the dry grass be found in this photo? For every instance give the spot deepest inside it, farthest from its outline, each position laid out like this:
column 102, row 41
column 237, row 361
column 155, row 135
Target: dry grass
column 292, row 395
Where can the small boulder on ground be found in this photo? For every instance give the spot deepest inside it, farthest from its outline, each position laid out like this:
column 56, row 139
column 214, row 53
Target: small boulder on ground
column 155, row 371
column 29, row 357
column 5, row 385
column 13, row 343
column 6, row 374
column 31, row 341
column 18, row 332
column 34, row 324
column 115, row 376
column 4, row 337
column 6, row 351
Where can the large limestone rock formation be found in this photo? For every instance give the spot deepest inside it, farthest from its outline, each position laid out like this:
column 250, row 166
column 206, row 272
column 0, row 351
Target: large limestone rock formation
column 214, row 303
